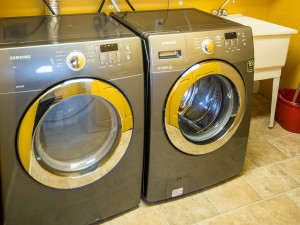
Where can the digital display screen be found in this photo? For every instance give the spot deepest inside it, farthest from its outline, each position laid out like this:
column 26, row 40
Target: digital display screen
column 230, row 35
column 109, row 47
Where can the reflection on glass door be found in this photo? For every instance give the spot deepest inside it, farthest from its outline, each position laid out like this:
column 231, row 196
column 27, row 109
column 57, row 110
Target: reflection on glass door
column 76, row 134
column 80, row 131
column 204, row 107
column 207, row 108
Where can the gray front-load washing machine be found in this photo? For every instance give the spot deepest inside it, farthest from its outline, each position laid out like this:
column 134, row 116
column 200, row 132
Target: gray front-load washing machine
column 71, row 119
column 199, row 70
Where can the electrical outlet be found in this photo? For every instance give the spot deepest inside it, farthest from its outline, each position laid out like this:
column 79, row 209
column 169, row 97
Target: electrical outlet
column 180, row 2
column 111, row 6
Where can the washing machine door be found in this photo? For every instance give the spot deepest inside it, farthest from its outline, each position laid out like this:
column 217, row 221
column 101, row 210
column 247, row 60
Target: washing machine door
column 75, row 133
column 204, row 107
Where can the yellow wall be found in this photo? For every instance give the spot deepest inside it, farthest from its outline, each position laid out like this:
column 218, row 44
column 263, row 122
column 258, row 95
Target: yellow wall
column 10, row 8
column 286, row 13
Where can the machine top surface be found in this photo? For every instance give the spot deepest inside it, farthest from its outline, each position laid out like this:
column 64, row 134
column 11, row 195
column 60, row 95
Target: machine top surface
column 59, row 29
column 172, row 21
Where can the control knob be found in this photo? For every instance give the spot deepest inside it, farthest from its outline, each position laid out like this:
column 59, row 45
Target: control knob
column 208, row 46
column 75, row 61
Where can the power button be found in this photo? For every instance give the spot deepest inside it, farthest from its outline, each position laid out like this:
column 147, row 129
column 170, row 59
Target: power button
column 208, row 46
column 75, row 61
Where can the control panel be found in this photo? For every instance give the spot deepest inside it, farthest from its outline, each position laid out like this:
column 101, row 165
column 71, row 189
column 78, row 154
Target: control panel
column 35, row 67
column 228, row 42
column 104, row 55
column 234, row 41
column 114, row 54
column 175, row 51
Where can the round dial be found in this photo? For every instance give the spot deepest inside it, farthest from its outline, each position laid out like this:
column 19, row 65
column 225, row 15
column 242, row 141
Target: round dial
column 76, row 61
column 208, row 46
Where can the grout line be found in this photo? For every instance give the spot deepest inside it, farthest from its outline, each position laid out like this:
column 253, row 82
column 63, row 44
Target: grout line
column 277, row 147
column 262, row 198
column 161, row 212
column 204, row 193
column 291, row 176
column 298, row 204
column 253, row 188
column 269, row 165
column 250, row 204
column 246, row 158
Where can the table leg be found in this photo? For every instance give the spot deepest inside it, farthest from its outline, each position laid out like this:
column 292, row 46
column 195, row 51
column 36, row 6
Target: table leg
column 274, row 100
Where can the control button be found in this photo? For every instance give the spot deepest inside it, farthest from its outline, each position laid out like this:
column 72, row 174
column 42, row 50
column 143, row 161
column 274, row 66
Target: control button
column 128, row 57
column 118, row 55
column 110, row 55
column 208, row 46
column 75, row 61
column 127, row 48
column 218, row 44
column 102, row 56
column 102, row 63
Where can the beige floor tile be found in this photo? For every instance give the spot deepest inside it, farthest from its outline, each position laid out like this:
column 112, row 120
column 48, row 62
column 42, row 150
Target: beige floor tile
column 259, row 111
column 294, row 195
column 144, row 215
column 236, row 217
column 232, row 194
column 258, row 100
column 188, row 210
column 288, row 144
column 292, row 167
column 270, row 181
column 260, row 131
column 263, row 153
column 279, row 210
column 248, row 165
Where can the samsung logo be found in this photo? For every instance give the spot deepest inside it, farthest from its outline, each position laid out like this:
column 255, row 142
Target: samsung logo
column 169, row 43
column 20, row 57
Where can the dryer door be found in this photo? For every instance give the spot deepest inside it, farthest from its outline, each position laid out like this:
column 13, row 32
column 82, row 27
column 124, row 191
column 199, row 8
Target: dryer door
column 74, row 133
column 204, row 107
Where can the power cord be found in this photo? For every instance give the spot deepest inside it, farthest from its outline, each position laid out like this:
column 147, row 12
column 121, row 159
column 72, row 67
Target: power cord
column 49, row 7
column 101, row 6
column 130, row 5
column 161, row 22
column 99, row 10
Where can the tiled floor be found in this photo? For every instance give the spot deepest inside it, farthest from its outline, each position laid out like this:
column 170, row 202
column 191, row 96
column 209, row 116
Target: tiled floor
column 266, row 193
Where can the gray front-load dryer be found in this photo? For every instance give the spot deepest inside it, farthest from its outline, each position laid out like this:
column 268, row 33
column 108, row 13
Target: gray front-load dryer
column 71, row 119
column 199, row 72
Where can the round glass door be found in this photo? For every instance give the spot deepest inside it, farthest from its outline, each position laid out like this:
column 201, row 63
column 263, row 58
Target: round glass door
column 204, row 107
column 75, row 133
